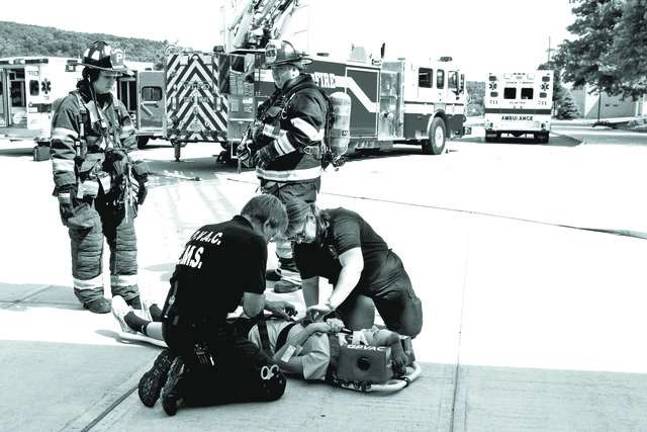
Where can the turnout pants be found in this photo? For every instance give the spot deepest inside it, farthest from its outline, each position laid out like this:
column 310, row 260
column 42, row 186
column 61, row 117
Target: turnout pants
column 87, row 229
column 306, row 191
column 237, row 370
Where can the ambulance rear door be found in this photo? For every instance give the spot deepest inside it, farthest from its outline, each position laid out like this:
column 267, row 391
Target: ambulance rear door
column 151, row 109
column 17, row 112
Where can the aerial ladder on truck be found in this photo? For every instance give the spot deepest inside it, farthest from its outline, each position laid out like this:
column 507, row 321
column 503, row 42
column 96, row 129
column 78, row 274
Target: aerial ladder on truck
column 257, row 22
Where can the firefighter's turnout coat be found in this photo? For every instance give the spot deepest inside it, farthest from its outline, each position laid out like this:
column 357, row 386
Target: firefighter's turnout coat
column 292, row 123
column 89, row 149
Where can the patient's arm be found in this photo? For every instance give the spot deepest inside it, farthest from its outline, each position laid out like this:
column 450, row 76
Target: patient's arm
column 294, row 365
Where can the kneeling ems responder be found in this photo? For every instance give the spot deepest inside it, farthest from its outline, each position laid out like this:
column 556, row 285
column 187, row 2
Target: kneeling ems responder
column 98, row 184
column 209, row 362
column 339, row 245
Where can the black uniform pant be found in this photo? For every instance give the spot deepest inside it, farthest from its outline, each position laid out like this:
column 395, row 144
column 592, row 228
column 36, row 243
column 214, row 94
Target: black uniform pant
column 393, row 297
column 237, row 371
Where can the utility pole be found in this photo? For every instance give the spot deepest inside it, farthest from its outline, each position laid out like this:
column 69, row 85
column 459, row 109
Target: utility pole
column 548, row 59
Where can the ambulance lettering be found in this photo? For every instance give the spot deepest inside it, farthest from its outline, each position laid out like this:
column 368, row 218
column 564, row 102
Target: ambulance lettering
column 515, row 117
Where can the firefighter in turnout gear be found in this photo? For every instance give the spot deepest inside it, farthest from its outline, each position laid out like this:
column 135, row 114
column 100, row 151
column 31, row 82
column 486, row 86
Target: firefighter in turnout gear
column 99, row 185
column 287, row 147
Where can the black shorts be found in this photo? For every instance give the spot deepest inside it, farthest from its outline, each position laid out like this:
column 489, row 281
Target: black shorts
column 394, row 299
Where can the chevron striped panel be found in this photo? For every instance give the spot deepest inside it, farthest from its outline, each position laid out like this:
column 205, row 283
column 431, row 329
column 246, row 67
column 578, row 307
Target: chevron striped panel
column 193, row 101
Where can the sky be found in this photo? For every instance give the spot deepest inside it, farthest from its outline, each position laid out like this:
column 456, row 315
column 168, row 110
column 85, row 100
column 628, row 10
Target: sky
column 481, row 35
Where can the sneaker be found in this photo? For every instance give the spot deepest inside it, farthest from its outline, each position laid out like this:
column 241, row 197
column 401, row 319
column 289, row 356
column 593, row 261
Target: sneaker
column 100, row 305
column 170, row 392
column 273, row 275
column 150, row 384
column 285, row 286
column 119, row 310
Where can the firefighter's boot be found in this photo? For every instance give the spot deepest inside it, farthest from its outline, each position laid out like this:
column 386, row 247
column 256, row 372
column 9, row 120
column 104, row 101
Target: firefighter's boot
column 100, row 305
column 93, row 300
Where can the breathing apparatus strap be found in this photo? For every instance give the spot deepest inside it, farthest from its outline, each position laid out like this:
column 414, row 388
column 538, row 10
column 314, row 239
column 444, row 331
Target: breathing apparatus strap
column 283, row 336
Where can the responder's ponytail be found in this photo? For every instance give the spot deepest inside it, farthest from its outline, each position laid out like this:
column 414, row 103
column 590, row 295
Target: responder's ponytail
column 89, row 74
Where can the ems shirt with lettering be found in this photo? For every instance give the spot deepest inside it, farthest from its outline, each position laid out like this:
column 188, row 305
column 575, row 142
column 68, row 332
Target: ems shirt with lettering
column 347, row 230
column 218, row 265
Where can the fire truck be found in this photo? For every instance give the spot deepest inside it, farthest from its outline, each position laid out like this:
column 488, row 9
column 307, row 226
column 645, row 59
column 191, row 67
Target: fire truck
column 144, row 96
column 28, row 87
column 519, row 104
column 214, row 96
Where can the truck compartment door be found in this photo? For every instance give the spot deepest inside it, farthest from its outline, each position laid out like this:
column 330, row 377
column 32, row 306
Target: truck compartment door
column 391, row 115
column 362, row 87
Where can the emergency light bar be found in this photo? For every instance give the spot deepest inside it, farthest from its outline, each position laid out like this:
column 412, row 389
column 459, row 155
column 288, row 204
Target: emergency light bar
column 18, row 61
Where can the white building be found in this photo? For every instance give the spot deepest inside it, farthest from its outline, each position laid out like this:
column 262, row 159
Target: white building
column 608, row 106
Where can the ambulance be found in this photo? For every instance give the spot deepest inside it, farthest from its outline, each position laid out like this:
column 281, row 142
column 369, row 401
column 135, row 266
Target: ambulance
column 28, row 87
column 519, row 104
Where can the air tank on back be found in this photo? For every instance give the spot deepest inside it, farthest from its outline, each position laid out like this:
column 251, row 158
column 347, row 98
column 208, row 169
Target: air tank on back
column 338, row 133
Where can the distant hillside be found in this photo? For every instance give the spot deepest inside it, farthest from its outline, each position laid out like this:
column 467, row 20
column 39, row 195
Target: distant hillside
column 30, row 40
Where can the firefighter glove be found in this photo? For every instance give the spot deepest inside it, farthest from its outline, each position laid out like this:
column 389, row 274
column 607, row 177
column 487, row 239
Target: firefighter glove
column 263, row 134
column 116, row 161
column 257, row 132
column 264, row 156
column 243, row 152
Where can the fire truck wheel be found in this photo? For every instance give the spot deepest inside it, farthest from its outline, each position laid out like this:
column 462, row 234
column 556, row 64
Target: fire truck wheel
column 435, row 145
column 142, row 141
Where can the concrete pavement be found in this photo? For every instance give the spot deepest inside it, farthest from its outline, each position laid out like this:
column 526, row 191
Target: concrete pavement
column 528, row 325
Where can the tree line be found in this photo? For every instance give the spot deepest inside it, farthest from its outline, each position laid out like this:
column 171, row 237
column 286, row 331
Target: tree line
column 31, row 40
